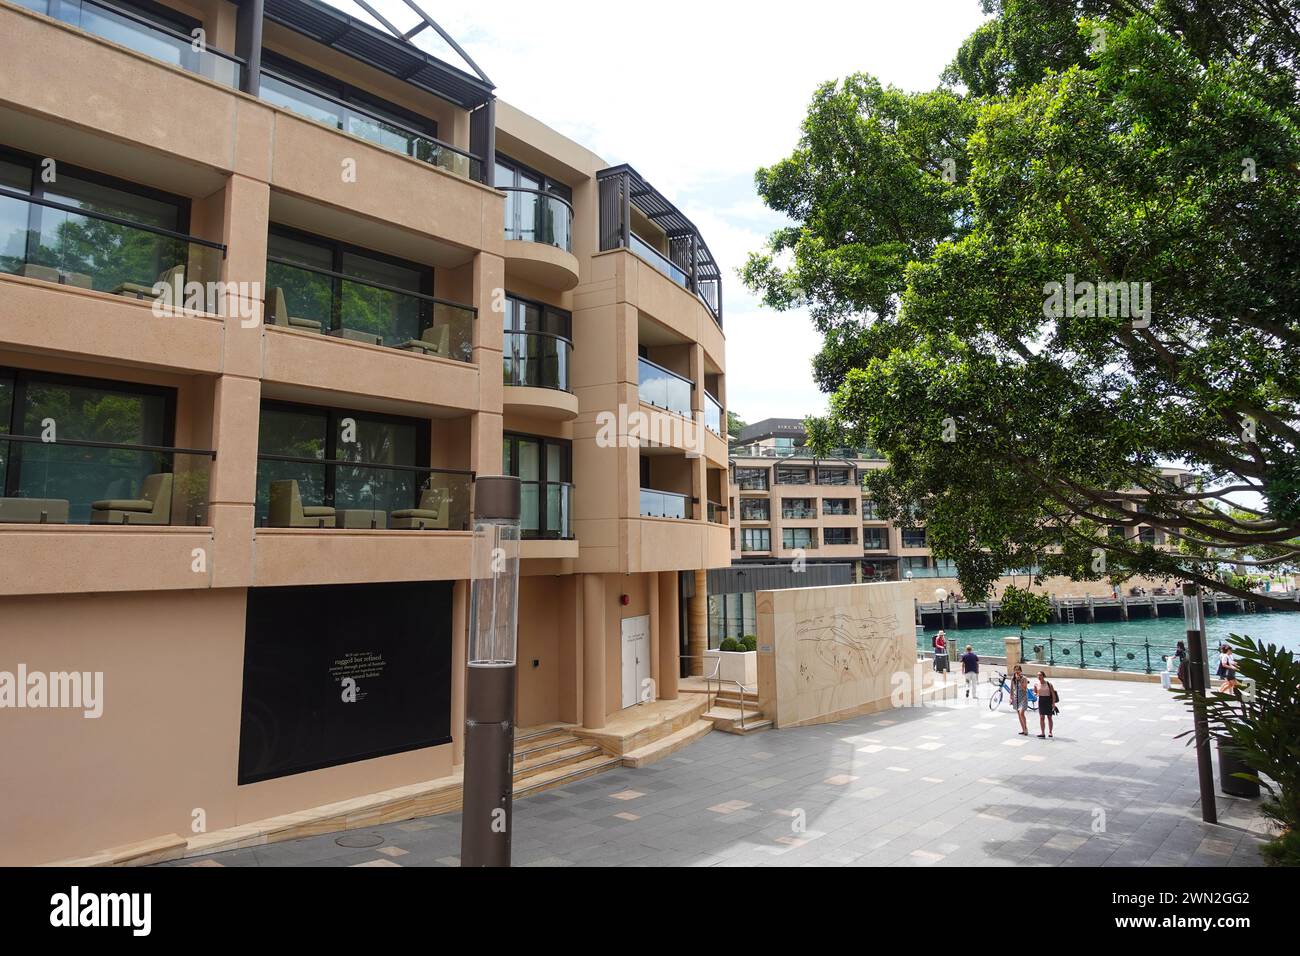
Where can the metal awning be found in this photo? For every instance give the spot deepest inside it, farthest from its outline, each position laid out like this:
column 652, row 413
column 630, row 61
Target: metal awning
column 393, row 53
column 655, row 206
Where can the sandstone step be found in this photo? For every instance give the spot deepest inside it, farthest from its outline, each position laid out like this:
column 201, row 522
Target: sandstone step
column 659, row 749
column 571, row 754
column 728, row 719
column 559, row 776
column 538, row 746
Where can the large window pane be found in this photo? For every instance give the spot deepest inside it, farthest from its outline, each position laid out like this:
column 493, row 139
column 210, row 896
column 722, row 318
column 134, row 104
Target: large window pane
column 396, row 318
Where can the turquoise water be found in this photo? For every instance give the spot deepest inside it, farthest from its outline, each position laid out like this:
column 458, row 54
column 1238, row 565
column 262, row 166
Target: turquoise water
column 1130, row 637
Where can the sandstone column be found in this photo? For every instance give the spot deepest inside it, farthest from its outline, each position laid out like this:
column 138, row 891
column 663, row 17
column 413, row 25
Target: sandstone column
column 593, row 651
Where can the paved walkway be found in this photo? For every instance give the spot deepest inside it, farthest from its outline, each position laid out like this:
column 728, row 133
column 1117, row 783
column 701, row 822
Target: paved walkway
column 945, row 785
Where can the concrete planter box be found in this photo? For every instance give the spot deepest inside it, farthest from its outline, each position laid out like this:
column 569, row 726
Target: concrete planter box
column 739, row 666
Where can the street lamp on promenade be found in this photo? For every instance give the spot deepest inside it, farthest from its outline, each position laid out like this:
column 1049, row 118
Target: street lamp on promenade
column 486, row 819
column 1198, row 677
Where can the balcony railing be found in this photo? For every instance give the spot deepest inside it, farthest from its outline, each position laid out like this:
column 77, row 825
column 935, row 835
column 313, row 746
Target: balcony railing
column 94, row 482
column 537, row 360
column 717, row 513
column 792, row 478
column 664, row 504
column 799, row 514
column 131, row 30
column 546, row 509
column 382, row 131
column 837, row 478
column 664, row 389
column 60, row 242
column 657, row 259
column 536, row 216
column 301, row 492
column 347, row 307
column 713, row 414
column 688, row 263
column 806, row 543
column 829, row 537
column 755, row 545
column 836, row 511
column 755, row 514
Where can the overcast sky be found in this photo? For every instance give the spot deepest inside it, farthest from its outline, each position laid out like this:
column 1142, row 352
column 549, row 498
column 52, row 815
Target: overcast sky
column 697, row 96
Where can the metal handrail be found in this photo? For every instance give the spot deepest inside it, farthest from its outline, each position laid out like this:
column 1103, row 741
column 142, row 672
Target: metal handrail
column 296, row 460
column 708, row 678
column 666, row 371
column 362, row 111
column 112, row 446
column 106, row 217
column 539, row 192
column 281, row 261
column 159, row 28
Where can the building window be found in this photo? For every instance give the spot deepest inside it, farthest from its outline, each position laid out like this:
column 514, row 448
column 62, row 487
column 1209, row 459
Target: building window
column 43, row 237
column 544, row 467
column 914, row 538
column 755, row 539
column 875, row 539
column 354, row 293
column 538, row 344
column 870, row 510
column 792, row 476
column 917, row 567
column 798, row 509
column 731, row 615
column 69, row 473
column 839, row 536
column 752, row 479
column 538, row 208
column 805, row 538
column 833, row 476
column 755, row 509
column 837, row 507
column 363, row 465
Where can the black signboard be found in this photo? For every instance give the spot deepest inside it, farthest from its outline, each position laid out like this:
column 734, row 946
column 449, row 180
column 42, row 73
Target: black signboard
column 343, row 673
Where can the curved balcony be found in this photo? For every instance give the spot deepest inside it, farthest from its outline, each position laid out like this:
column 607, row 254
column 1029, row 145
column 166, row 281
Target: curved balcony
column 539, row 238
column 536, row 375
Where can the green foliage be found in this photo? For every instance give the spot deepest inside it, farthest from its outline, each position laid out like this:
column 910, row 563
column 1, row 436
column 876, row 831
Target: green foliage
column 749, row 643
column 735, row 424
column 1112, row 143
column 729, row 644
column 1023, row 609
column 1264, row 732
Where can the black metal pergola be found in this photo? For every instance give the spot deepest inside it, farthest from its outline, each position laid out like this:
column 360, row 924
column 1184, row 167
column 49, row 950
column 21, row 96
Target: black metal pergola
column 622, row 188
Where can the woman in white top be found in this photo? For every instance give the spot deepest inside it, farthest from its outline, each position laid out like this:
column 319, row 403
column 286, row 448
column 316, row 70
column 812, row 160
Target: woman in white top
column 1228, row 668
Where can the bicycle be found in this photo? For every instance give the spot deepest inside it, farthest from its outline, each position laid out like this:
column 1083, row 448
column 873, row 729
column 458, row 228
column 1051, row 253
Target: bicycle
column 1003, row 689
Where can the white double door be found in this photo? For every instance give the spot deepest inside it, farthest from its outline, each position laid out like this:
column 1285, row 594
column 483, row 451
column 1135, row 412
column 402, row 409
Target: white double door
column 636, row 659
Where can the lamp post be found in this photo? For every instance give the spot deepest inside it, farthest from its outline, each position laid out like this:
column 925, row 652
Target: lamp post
column 1198, row 677
column 485, row 829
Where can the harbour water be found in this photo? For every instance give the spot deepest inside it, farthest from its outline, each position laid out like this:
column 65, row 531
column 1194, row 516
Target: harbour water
column 1131, row 639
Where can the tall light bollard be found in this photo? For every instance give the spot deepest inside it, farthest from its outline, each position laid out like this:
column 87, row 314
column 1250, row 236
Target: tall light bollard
column 486, row 819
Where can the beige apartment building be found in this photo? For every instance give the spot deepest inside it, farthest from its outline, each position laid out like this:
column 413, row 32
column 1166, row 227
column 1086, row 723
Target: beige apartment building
column 272, row 294
column 786, row 504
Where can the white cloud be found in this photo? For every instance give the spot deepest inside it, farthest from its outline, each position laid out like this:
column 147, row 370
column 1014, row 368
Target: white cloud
column 697, row 96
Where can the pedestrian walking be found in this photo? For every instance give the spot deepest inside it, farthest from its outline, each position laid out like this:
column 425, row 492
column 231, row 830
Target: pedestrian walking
column 1020, row 698
column 1046, row 703
column 1228, row 671
column 970, row 669
column 1180, row 655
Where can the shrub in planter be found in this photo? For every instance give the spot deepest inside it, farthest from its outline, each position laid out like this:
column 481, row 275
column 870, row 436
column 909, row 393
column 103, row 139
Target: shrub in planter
column 749, row 643
column 1264, row 733
column 729, row 644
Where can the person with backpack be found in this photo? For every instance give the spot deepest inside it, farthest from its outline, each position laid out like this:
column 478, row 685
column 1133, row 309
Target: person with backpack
column 1047, row 700
column 940, row 652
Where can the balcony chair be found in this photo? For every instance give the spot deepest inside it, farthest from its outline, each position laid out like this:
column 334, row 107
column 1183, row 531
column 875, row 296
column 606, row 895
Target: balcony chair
column 154, row 506
column 33, row 511
column 436, row 340
column 277, row 311
column 287, row 510
column 432, row 515
column 50, row 274
column 173, row 278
